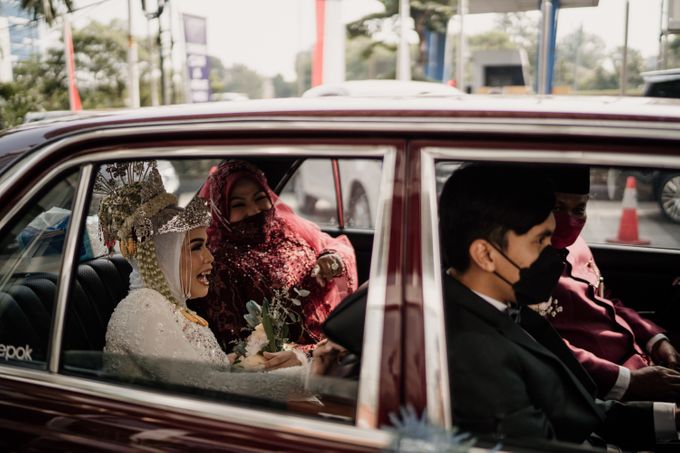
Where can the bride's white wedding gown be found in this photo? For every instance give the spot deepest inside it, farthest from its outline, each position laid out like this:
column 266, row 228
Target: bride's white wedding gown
column 148, row 337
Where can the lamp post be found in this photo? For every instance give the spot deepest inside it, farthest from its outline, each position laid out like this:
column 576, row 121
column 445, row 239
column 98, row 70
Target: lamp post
column 133, row 68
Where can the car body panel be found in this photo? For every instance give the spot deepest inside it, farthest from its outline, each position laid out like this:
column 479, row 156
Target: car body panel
column 544, row 129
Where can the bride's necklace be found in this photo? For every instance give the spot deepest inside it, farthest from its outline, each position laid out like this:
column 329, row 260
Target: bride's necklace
column 192, row 316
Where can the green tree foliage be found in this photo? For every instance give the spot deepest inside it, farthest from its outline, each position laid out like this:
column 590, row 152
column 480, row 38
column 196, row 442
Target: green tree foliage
column 238, row 78
column 41, row 82
column 283, row 88
column 584, row 63
column 368, row 59
column 673, row 53
column 427, row 15
column 46, row 9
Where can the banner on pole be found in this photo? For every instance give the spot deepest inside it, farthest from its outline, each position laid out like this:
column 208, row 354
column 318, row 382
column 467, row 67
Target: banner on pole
column 73, row 95
column 198, row 69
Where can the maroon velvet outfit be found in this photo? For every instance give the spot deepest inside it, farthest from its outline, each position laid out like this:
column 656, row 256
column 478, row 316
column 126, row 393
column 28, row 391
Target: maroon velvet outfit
column 274, row 249
column 602, row 333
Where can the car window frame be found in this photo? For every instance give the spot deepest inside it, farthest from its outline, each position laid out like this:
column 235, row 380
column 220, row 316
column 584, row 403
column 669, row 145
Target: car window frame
column 384, row 149
column 436, row 361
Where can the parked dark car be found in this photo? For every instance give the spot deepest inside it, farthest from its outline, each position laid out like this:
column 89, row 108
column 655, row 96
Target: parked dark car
column 58, row 289
column 664, row 83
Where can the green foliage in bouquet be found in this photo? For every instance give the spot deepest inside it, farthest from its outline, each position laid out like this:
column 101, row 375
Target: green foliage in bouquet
column 276, row 316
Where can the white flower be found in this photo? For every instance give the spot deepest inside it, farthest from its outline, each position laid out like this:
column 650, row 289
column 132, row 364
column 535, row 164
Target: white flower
column 256, row 341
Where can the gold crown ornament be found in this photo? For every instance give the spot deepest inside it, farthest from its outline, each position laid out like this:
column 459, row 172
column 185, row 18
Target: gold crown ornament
column 134, row 195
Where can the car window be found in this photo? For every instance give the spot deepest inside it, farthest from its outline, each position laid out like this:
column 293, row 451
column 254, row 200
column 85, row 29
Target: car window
column 106, row 279
column 627, row 206
column 31, row 248
column 634, row 207
column 312, row 192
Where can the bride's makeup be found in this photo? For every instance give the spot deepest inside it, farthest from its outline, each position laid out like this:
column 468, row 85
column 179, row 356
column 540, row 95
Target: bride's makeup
column 196, row 263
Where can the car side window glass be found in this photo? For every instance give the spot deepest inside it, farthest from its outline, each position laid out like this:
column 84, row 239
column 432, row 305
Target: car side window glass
column 31, row 248
column 188, row 353
column 311, row 191
column 634, row 207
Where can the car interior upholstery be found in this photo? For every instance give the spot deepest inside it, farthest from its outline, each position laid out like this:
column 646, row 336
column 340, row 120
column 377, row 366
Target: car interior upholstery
column 26, row 307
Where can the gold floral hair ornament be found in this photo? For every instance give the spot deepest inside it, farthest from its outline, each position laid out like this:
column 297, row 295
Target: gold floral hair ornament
column 134, row 196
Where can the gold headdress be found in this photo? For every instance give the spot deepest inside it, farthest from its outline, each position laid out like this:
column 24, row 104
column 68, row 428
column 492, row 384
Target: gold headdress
column 135, row 197
column 135, row 209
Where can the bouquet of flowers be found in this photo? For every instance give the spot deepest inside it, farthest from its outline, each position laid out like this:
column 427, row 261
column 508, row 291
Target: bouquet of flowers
column 269, row 324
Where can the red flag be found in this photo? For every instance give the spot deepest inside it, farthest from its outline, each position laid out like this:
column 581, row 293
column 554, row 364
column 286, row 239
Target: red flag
column 73, row 96
column 317, row 60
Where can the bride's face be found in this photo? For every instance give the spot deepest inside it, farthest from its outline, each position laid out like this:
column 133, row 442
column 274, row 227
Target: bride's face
column 195, row 263
column 247, row 198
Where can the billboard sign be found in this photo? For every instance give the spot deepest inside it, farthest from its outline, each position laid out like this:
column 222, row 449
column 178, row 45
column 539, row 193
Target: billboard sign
column 198, row 69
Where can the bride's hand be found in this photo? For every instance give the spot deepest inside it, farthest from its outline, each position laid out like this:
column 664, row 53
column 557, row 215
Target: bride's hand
column 282, row 359
column 327, row 268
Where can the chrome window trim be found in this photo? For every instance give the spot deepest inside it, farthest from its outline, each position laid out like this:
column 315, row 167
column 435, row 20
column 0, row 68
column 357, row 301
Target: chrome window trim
column 68, row 259
column 290, row 423
column 433, row 296
column 538, row 126
column 436, row 360
column 556, row 157
column 378, row 271
column 175, row 152
column 371, row 357
column 634, row 248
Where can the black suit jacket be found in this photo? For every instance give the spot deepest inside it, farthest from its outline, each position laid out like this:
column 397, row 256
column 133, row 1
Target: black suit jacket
column 507, row 382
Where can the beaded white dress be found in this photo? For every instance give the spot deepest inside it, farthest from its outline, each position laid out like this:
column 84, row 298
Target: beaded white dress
column 146, row 324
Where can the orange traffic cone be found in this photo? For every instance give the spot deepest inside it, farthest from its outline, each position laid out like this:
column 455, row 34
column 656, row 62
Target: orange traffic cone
column 628, row 227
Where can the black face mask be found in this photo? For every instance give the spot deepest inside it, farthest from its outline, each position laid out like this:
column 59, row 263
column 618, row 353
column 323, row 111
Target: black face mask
column 254, row 229
column 536, row 282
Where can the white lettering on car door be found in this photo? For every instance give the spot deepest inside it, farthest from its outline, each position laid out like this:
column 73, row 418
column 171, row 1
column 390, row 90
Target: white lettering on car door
column 9, row 352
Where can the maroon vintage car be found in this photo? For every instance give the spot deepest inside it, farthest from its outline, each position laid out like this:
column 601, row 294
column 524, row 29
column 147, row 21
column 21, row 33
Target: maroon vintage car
column 58, row 288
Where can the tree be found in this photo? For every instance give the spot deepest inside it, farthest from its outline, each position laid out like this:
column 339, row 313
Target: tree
column 41, row 82
column 368, row 59
column 282, row 88
column 523, row 32
column 430, row 15
column 237, row 79
column 673, row 53
column 578, row 56
column 45, row 9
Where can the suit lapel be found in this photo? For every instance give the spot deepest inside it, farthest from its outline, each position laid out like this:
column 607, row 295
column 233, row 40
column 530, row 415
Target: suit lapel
column 461, row 295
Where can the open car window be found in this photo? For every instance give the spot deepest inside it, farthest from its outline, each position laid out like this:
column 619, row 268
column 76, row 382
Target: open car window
column 103, row 280
column 31, row 251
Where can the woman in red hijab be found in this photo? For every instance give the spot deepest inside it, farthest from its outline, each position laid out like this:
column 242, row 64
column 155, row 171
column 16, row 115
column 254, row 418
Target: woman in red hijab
column 259, row 245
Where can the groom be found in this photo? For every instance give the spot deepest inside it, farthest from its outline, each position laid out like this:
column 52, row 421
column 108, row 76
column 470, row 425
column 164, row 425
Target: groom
column 511, row 379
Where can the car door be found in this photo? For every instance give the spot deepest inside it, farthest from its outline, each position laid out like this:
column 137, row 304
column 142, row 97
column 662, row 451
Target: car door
column 67, row 398
column 643, row 274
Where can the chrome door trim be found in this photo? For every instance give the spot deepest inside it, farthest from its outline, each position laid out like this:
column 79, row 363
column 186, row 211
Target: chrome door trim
column 436, row 360
column 67, row 261
column 375, row 305
column 556, row 157
column 536, row 126
column 290, row 424
column 371, row 357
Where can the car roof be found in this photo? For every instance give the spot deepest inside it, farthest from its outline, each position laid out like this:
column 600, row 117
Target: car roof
column 382, row 88
column 325, row 109
column 662, row 75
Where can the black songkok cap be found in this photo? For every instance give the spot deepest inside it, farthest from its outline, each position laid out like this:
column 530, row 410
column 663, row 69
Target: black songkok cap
column 570, row 179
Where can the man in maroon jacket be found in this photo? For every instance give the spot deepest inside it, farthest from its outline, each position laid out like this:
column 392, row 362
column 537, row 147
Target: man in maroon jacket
column 622, row 351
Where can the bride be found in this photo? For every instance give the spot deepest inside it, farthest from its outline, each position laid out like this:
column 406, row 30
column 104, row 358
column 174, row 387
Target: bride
column 152, row 334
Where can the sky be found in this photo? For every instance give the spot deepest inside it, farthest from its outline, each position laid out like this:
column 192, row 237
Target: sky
column 265, row 35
